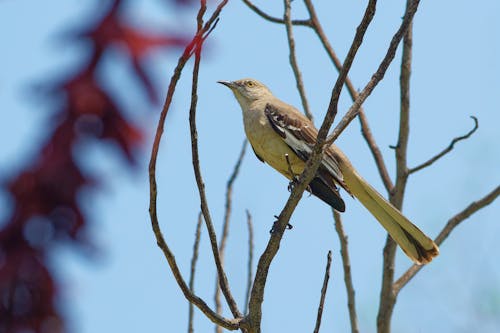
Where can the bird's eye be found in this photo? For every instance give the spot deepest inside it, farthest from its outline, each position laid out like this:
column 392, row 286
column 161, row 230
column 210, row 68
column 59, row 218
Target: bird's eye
column 250, row 84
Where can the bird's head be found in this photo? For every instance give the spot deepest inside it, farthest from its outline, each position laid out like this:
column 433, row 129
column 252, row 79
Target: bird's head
column 247, row 90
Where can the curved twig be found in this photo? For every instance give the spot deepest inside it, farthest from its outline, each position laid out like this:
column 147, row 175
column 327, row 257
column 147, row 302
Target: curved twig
column 445, row 232
column 447, row 149
column 190, row 296
column 272, row 19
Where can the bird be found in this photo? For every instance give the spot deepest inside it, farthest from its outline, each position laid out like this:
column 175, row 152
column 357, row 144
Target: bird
column 282, row 137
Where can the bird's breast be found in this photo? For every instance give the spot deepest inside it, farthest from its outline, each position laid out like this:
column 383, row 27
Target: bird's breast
column 269, row 145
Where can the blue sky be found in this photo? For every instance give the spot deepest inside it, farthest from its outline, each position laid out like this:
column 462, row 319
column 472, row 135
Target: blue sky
column 129, row 287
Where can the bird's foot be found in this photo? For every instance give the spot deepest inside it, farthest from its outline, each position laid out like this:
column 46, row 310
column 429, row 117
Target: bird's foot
column 294, row 182
column 275, row 226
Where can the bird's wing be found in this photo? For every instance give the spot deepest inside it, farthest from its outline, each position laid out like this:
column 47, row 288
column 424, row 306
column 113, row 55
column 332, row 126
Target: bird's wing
column 300, row 135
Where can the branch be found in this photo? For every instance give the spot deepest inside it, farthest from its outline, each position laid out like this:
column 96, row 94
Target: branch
column 365, row 129
column 190, row 296
column 257, row 294
column 387, row 297
column 447, row 149
column 446, row 231
column 272, row 19
column 250, row 259
column 344, row 252
column 323, row 291
column 225, row 227
column 378, row 75
column 293, row 60
column 194, row 259
column 201, row 189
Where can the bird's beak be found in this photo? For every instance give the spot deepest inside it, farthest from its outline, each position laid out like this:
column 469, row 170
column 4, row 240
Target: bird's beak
column 228, row 84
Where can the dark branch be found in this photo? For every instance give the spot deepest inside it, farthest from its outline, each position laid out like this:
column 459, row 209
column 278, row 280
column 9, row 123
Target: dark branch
column 448, row 228
column 323, row 291
column 447, row 149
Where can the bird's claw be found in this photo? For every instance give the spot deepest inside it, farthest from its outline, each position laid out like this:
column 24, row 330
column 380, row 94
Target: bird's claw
column 275, row 226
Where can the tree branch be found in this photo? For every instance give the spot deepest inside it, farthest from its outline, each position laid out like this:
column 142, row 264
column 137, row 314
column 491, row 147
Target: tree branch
column 346, row 262
column 365, row 129
column 190, row 296
column 257, row 294
column 293, row 60
column 194, row 259
column 250, row 259
column 378, row 75
column 446, row 231
column 270, row 18
column 447, row 149
column 201, row 189
column 323, row 291
column 225, row 226
column 387, row 297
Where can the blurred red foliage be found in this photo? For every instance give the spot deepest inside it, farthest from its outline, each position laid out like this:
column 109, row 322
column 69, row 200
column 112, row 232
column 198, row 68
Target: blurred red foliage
column 45, row 206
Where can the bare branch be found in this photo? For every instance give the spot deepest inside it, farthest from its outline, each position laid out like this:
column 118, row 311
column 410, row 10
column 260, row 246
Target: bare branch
column 447, row 149
column 250, row 259
column 225, row 226
column 293, row 59
column 323, row 291
column 272, row 19
column 446, row 231
column 387, row 297
column 257, row 294
column 378, row 75
column 190, row 296
column 346, row 262
column 365, row 129
column 194, row 259
column 201, row 189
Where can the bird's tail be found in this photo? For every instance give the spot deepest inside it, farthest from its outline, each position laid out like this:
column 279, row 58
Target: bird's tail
column 420, row 248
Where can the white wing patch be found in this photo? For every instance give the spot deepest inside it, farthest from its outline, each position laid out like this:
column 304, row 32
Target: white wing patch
column 300, row 138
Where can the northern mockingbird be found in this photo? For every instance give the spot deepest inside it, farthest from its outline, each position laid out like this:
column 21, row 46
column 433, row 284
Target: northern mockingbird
column 283, row 137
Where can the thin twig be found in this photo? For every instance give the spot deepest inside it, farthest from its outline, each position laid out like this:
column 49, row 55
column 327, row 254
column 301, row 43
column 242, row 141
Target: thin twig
column 194, row 259
column 201, row 190
column 447, row 149
column 250, row 259
column 225, row 226
column 293, row 59
column 272, row 19
column 323, row 291
column 378, row 75
column 452, row 223
column 387, row 297
column 346, row 262
column 257, row 295
column 190, row 296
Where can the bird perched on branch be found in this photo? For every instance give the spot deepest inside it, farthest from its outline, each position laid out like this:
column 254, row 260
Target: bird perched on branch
column 283, row 137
